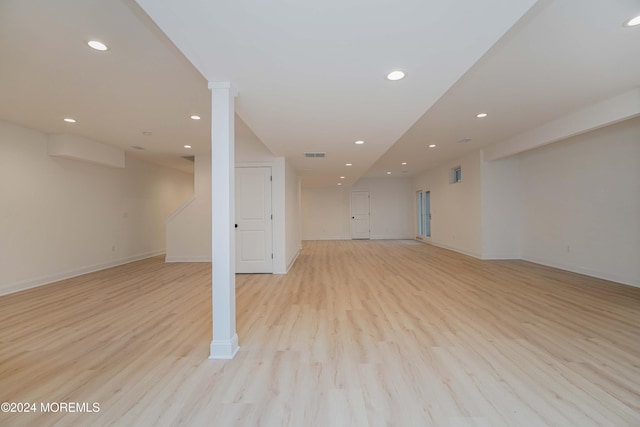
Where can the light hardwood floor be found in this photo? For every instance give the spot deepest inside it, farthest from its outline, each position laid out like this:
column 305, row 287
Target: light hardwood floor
column 359, row 333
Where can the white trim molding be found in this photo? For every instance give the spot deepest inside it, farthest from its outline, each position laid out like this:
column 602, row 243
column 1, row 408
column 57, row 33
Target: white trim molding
column 53, row 278
column 224, row 349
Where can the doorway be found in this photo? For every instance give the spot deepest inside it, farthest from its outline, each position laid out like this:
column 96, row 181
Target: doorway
column 424, row 213
column 360, row 215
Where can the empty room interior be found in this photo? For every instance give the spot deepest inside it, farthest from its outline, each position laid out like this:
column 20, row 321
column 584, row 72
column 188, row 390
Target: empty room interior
column 338, row 213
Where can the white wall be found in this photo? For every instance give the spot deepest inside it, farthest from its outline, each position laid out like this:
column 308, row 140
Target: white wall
column 456, row 209
column 581, row 203
column 391, row 201
column 60, row 218
column 501, row 209
column 572, row 204
column 248, row 147
column 292, row 214
column 189, row 227
column 326, row 211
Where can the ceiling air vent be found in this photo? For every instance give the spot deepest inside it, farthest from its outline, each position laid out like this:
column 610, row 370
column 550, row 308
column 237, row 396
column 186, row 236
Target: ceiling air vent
column 315, row 154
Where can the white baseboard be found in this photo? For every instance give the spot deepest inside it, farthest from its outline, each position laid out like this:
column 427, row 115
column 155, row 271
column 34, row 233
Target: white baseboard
column 451, row 248
column 499, row 256
column 390, row 237
column 52, row 278
column 187, row 258
column 587, row 272
column 630, row 281
column 372, row 237
column 293, row 260
column 327, row 238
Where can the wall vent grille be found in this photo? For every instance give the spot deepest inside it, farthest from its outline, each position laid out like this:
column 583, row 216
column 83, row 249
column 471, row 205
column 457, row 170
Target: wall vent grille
column 312, row 154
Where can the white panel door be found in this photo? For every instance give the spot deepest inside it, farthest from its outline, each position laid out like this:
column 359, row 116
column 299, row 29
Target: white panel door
column 254, row 229
column 360, row 215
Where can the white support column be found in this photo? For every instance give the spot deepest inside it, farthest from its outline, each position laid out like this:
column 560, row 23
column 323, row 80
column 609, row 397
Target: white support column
column 224, row 344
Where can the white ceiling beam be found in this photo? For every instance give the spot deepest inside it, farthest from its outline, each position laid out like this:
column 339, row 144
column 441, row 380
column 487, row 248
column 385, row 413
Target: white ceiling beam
column 601, row 114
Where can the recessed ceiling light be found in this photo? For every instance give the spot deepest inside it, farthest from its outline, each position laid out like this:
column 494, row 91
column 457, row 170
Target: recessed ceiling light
column 195, row 117
column 146, row 133
column 432, row 145
column 94, row 44
column 348, row 164
column 395, row 75
column 404, row 163
column 359, row 142
column 339, row 183
column 69, row 120
column 187, row 146
column 342, row 177
column 481, row 115
column 388, row 172
column 632, row 22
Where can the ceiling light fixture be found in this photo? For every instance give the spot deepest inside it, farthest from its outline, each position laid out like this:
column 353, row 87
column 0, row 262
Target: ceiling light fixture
column 359, row 142
column 395, row 75
column 94, row 44
column 69, row 120
column 348, row 164
column 404, row 163
column 195, row 117
column 187, row 146
column 388, row 172
column 339, row 183
column 146, row 133
column 632, row 22
column 432, row 145
column 342, row 177
column 481, row 115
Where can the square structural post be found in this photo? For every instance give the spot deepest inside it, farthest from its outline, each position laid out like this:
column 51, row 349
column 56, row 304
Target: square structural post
column 224, row 344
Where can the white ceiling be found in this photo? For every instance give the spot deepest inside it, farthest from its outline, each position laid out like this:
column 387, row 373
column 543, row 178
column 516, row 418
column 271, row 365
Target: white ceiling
column 142, row 83
column 310, row 75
